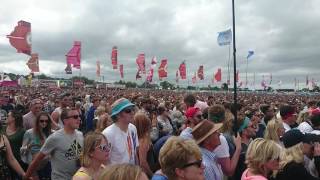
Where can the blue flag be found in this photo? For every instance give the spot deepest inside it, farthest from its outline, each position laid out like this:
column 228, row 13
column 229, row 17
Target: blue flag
column 250, row 53
column 224, row 37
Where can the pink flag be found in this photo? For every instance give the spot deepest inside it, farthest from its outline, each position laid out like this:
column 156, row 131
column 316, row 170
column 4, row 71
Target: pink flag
column 121, row 70
column 151, row 70
column 141, row 63
column 182, row 70
column 114, row 57
column 217, row 76
column 74, row 55
column 20, row 38
column 162, row 71
column 98, row 69
column 33, row 63
column 200, row 73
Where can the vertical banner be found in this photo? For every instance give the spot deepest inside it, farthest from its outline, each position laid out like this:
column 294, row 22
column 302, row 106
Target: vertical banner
column 114, row 57
column 121, row 70
column 98, row 69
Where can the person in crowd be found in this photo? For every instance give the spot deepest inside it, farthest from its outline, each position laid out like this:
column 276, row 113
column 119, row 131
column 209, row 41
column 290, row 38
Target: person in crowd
column 99, row 113
column 228, row 163
column 147, row 158
column 206, row 135
column 122, row 134
column 262, row 159
column 288, row 115
column 79, row 108
column 49, row 106
column 30, row 118
column 8, row 160
column 274, row 131
column 93, row 157
column 91, row 114
column 180, row 159
column 305, row 125
column 14, row 132
column 189, row 100
column 164, row 122
column 194, row 117
column 123, row 172
column 65, row 101
column 33, row 140
column 65, row 154
column 103, row 122
column 268, row 113
column 292, row 163
column 315, row 121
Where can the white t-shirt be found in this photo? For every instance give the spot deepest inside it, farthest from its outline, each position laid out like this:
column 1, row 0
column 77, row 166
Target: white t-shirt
column 123, row 144
column 286, row 126
column 316, row 132
column 305, row 127
column 222, row 151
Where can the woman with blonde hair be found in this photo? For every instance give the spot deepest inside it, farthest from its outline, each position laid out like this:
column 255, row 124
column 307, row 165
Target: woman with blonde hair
column 262, row 158
column 146, row 154
column 274, row 131
column 95, row 154
column 123, row 172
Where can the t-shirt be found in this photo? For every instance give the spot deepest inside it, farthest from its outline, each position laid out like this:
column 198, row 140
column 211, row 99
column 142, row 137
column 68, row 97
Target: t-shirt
column 305, row 127
column 64, row 150
column 186, row 133
column 123, row 144
column 28, row 120
column 222, row 151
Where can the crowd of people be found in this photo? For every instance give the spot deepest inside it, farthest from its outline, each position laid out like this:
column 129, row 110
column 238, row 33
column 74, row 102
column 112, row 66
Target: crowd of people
column 139, row 134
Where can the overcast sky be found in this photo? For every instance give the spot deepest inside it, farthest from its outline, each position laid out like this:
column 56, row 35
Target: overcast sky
column 283, row 34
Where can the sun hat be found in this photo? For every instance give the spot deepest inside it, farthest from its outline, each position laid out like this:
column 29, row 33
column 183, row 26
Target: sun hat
column 120, row 105
column 204, row 129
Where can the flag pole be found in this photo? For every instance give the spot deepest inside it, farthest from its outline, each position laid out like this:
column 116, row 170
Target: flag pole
column 234, row 69
column 247, row 73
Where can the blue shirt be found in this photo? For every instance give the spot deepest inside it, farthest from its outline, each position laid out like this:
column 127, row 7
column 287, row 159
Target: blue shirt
column 212, row 169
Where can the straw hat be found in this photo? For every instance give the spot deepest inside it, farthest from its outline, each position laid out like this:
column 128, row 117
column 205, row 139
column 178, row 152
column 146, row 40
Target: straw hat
column 204, row 130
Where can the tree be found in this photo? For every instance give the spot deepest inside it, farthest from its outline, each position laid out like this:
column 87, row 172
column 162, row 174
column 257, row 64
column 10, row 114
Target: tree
column 166, row 85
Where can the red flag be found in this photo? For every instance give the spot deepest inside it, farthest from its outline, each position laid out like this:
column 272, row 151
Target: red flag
column 194, row 78
column 182, row 69
column 217, row 76
column 114, row 57
column 200, row 73
column 121, row 70
column 20, row 38
column 141, row 63
column 33, row 63
column 177, row 76
column 162, row 71
column 74, row 55
column 151, row 70
column 98, row 69
column 68, row 69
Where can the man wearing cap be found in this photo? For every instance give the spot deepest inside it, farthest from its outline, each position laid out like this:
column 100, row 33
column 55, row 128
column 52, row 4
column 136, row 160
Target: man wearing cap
column 122, row 135
column 30, row 118
column 194, row 117
column 206, row 136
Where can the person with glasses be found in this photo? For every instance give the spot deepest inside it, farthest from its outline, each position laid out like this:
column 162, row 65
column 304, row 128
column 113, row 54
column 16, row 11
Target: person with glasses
column 63, row 146
column 122, row 134
column 289, row 116
column 194, row 117
column 30, row 118
column 33, row 140
column 180, row 159
column 262, row 159
column 95, row 153
column 206, row 134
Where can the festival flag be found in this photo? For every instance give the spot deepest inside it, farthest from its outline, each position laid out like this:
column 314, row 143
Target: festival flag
column 250, row 53
column 98, row 69
column 68, row 69
column 33, row 63
column 218, row 75
column 74, row 55
column 162, row 71
column 194, row 78
column 20, row 38
column 141, row 63
column 177, row 76
column 121, row 70
column 224, row 37
column 114, row 57
column 151, row 70
column 182, row 70
column 200, row 73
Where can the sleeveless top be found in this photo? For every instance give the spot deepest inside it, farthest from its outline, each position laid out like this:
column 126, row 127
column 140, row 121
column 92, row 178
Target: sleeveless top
column 4, row 168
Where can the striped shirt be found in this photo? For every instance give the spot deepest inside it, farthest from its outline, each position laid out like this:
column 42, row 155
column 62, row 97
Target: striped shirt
column 212, row 169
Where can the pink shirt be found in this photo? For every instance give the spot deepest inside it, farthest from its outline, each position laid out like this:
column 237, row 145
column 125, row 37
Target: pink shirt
column 245, row 176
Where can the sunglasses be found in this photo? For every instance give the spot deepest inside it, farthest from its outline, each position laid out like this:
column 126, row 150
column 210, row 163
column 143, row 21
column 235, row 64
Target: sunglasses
column 105, row 147
column 74, row 117
column 196, row 163
column 129, row 110
column 44, row 121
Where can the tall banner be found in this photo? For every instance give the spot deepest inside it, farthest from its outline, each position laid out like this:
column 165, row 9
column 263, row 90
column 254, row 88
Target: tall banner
column 74, row 55
column 151, row 70
column 141, row 65
column 224, row 37
column 182, row 70
column 114, row 57
column 98, row 69
column 20, row 37
column 200, row 73
column 121, row 70
column 218, row 75
column 33, row 63
column 162, row 71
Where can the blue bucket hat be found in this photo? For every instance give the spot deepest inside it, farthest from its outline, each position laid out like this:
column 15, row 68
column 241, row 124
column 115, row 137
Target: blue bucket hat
column 121, row 105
